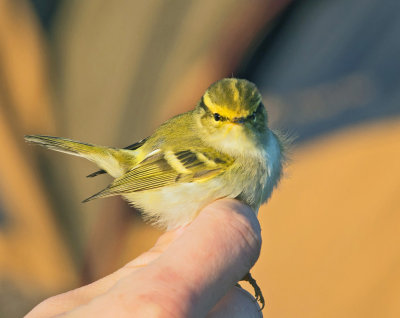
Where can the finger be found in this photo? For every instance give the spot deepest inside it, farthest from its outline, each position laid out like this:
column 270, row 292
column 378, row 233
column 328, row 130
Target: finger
column 69, row 300
column 194, row 272
column 237, row 303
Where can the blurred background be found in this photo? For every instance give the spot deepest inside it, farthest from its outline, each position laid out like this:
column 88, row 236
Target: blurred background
column 109, row 72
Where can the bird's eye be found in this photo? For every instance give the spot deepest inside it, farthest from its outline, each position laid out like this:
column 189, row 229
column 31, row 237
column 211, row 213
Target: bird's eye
column 252, row 116
column 217, row 117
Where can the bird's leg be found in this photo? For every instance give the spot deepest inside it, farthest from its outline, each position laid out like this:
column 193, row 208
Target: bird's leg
column 257, row 290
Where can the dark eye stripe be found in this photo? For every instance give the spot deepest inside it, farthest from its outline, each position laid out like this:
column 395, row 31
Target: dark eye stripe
column 222, row 118
column 204, row 106
column 217, row 117
column 252, row 116
column 210, row 113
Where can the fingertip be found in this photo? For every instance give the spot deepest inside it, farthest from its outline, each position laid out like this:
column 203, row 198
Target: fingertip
column 240, row 210
column 234, row 215
column 236, row 303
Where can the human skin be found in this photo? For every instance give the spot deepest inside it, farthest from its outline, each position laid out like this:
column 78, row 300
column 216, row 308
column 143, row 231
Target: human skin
column 190, row 272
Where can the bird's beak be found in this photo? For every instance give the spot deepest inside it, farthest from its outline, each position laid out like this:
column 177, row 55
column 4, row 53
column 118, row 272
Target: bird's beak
column 238, row 120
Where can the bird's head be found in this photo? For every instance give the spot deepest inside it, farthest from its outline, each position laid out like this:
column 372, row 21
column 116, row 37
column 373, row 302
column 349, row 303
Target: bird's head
column 232, row 109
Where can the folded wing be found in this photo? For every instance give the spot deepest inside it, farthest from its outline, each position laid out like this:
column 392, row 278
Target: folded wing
column 166, row 167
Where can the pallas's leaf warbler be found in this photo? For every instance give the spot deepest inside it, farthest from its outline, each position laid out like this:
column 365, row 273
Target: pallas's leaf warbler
column 221, row 148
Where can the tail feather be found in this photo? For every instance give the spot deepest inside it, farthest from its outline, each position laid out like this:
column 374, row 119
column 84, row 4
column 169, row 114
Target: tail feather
column 102, row 194
column 110, row 160
column 65, row 145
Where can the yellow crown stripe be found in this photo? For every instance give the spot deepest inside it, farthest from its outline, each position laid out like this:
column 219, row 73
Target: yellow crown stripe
column 235, row 91
column 223, row 110
column 232, row 98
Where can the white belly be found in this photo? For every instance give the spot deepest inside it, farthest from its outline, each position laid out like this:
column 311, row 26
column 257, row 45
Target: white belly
column 174, row 206
column 252, row 181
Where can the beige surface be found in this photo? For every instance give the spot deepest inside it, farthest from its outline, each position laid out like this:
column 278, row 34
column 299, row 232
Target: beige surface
column 331, row 242
column 32, row 249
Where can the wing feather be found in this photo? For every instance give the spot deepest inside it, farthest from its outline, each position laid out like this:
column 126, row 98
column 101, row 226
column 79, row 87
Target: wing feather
column 164, row 168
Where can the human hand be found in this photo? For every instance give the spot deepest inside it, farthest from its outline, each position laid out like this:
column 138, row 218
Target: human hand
column 190, row 272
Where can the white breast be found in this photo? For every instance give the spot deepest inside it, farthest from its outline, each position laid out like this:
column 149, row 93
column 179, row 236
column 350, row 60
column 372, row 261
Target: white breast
column 252, row 181
column 264, row 166
column 177, row 205
column 273, row 157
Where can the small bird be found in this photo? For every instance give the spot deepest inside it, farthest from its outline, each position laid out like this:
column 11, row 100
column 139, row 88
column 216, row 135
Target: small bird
column 221, row 148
